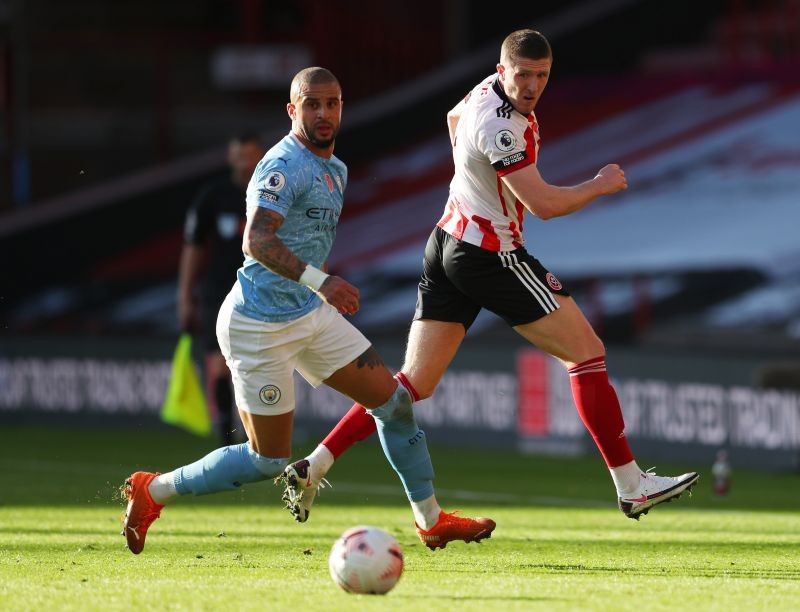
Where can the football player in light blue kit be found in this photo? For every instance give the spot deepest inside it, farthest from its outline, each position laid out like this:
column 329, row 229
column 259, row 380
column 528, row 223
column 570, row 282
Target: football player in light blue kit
column 285, row 313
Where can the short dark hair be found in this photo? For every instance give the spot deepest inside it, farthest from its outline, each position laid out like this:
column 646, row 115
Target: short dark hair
column 310, row 76
column 528, row 44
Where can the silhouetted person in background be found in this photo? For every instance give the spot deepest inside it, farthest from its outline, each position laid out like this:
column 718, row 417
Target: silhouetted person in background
column 212, row 253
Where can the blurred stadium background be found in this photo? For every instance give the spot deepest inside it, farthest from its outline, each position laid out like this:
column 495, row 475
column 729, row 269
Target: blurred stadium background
column 115, row 113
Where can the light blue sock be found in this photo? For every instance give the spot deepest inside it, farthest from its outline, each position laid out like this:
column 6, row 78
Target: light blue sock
column 226, row 469
column 404, row 444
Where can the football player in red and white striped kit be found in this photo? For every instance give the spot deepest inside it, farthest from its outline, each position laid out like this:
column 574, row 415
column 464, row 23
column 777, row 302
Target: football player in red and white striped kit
column 475, row 258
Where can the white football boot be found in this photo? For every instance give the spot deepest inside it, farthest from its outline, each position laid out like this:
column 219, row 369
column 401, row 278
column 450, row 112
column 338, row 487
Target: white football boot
column 299, row 489
column 654, row 490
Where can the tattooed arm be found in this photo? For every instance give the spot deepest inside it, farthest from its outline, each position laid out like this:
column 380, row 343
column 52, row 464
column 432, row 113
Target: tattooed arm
column 262, row 244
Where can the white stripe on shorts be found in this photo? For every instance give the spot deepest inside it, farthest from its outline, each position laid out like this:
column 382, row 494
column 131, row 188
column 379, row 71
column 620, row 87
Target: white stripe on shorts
column 529, row 281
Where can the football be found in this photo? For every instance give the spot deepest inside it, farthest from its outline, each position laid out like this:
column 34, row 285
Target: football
column 366, row 560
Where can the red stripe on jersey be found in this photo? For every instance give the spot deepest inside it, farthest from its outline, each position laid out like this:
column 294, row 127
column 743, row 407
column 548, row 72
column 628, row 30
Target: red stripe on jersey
column 448, row 214
column 532, row 138
column 490, row 241
column 516, row 235
column 516, row 227
column 500, row 193
column 512, row 227
column 453, row 221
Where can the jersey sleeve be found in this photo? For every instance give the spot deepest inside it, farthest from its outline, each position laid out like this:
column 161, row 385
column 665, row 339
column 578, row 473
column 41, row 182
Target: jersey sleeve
column 507, row 144
column 199, row 218
column 273, row 186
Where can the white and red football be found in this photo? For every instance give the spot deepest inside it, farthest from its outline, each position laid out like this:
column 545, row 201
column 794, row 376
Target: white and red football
column 366, row 560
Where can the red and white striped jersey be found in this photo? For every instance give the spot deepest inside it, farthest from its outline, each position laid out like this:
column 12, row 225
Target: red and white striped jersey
column 492, row 140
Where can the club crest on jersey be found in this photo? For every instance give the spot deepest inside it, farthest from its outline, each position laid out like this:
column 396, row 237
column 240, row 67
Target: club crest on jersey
column 269, row 394
column 275, row 181
column 329, row 181
column 505, row 140
column 553, row 282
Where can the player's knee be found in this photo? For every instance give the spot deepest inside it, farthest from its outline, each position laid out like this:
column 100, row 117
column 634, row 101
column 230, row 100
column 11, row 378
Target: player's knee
column 590, row 347
column 596, row 348
column 268, row 466
column 380, row 392
column 398, row 408
column 424, row 391
column 419, row 387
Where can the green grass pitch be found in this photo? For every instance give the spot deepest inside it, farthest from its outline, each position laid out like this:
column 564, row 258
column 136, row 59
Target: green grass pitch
column 560, row 542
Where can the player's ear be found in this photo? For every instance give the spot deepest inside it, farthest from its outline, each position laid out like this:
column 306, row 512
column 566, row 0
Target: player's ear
column 291, row 109
column 500, row 69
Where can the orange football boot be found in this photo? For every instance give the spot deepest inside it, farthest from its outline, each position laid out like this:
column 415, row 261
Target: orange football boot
column 450, row 527
column 141, row 511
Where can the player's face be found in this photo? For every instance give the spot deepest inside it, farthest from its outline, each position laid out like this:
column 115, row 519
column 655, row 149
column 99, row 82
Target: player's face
column 243, row 157
column 316, row 114
column 524, row 81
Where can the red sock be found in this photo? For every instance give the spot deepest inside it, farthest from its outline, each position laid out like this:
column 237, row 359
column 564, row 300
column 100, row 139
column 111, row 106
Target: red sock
column 357, row 424
column 401, row 378
column 353, row 427
column 599, row 409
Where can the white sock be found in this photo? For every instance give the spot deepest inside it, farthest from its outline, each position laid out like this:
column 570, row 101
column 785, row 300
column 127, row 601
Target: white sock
column 162, row 488
column 626, row 478
column 321, row 461
column 426, row 512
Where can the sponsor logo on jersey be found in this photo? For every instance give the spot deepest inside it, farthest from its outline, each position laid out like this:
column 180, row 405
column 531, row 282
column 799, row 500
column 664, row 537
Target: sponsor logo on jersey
column 505, row 140
column 325, row 214
column 275, row 181
column 269, row 394
column 553, row 281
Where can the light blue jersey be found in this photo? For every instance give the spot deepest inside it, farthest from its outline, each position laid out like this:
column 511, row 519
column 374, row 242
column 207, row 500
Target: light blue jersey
column 308, row 191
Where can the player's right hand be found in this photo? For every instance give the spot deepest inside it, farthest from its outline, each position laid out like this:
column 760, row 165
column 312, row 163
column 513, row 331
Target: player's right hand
column 340, row 294
column 611, row 179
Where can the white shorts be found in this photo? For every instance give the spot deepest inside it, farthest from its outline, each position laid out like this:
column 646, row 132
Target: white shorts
column 262, row 357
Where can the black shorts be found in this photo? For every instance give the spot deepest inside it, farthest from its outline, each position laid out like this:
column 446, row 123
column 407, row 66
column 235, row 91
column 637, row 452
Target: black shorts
column 459, row 278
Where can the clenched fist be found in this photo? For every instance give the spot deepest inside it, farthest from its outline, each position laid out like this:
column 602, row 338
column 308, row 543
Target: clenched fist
column 611, row 179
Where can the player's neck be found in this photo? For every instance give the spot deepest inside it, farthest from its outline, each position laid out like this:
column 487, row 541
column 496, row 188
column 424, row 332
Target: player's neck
column 326, row 152
column 511, row 102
